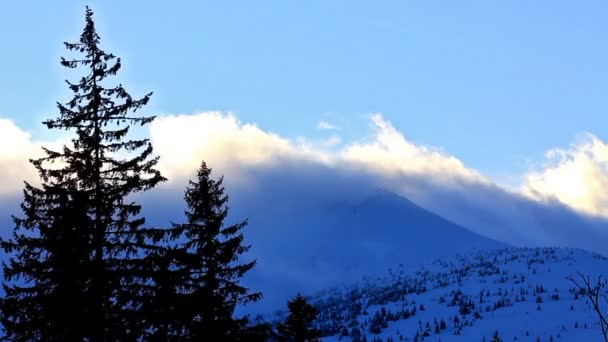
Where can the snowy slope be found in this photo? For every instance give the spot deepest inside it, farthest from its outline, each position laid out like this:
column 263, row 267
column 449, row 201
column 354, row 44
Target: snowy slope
column 522, row 293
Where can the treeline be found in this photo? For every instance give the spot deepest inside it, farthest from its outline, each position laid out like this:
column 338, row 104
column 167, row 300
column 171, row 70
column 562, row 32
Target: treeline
column 82, row 263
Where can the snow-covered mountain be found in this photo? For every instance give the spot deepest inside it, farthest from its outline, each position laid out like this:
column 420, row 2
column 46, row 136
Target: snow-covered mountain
column 344, row 241
column 521, row 293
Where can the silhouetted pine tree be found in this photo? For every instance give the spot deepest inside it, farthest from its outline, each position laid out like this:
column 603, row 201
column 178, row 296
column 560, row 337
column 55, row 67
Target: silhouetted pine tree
column 207, row 258
column 298, row 325
column 164, row 319
column 496, row 337
column 45, row 275
column 81, row 235
column 259, row 332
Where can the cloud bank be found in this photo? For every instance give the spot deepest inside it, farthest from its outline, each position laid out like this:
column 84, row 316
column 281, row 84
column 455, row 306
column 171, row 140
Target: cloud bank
column 231, row 146
column 544, row 212
column 572, row 178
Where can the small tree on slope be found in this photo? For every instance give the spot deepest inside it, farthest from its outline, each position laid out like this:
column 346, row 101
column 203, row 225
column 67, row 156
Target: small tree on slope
column 207, row 265
column 298, row 324
column 496, row 337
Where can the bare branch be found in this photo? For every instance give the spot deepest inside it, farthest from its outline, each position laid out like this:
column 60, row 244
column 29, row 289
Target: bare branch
column 592, row 292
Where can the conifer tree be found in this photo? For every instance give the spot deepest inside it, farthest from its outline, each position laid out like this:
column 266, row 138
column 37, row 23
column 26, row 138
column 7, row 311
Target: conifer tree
column 43, row 298
column 496, row 337
column 207, row 263
column 298, row 326
column 80, row 234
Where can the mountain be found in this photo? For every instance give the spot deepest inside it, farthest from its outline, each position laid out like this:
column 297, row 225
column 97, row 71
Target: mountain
column 307, row 249
column 521, row 293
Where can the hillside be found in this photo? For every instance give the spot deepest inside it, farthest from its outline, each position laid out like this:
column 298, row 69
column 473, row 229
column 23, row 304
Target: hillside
column 521, row 293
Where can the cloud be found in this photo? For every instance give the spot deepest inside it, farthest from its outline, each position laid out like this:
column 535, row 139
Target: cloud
column 576, row 176
column 326, row 125
column 232, row 146
column 390, row 153
column 427, row 175
column 16, row 147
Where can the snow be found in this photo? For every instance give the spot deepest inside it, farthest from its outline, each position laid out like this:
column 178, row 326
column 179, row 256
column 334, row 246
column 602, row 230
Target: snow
column 504, row 273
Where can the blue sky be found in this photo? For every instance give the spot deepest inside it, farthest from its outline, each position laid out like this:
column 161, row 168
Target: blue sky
column 494, row 84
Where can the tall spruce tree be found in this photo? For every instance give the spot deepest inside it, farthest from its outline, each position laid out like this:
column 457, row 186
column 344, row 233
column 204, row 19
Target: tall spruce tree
column 80, row 235
column 298, row 326
column 207, row 258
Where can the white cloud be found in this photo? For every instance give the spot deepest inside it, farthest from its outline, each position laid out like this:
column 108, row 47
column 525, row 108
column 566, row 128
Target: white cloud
column 15, row 149
column 227, row 144
column 577, row 176
column 325, row 125
column 427, row 175
column 182, row 141
column 390, row 152
column 230, row 146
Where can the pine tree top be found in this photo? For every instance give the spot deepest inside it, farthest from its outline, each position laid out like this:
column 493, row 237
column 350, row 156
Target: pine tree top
column 298, row 326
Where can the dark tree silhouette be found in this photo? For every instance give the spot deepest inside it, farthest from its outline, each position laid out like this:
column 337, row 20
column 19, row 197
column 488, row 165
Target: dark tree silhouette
column 80, row 245
column 45, row 276
column 207, row 268
column 298, row 326
column 593, row 292
column 165, row 318
column 496, row 337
